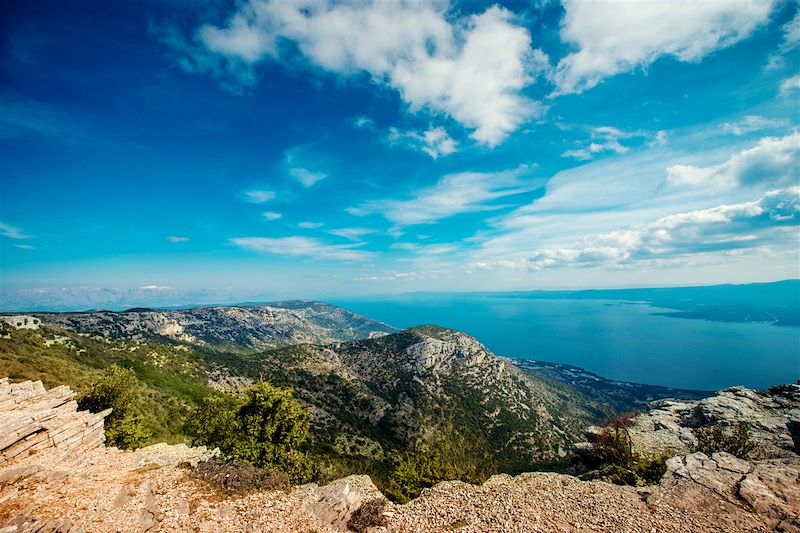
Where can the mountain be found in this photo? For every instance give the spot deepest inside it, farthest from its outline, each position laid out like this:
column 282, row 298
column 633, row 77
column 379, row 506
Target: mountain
column 422, row 394
column 77, row 484
column 255, row 327
column 429, row 386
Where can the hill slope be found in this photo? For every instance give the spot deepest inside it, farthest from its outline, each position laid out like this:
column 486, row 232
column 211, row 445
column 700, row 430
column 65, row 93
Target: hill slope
column 254, row 327
column 425, row 395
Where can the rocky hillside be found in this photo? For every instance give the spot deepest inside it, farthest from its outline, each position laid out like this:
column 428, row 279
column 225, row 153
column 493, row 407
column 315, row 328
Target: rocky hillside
column 425, row 393
column 254, row 327
column 427, row 387
column 772, row 420
column 157, row 489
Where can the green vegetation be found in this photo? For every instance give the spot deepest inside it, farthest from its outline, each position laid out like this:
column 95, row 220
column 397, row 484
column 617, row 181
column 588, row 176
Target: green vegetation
column 263, row 426
column 116, row 389
column 170, row 378
column 613, row 456
column 377, row 419
column 714, row 439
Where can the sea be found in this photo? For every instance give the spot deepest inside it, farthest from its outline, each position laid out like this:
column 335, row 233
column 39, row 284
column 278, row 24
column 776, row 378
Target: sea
column 619, row 340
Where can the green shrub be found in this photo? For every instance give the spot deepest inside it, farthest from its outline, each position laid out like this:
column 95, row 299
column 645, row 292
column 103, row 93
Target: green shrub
column 117, row 388
column 263, row 426
column 612, row 454
column 714, row 439
column 128, row 433
column 425, row 465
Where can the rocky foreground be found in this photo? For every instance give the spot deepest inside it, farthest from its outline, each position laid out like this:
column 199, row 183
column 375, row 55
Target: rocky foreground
column 92, row 488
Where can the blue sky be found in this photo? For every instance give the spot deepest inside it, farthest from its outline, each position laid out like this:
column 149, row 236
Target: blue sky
column 217, row 150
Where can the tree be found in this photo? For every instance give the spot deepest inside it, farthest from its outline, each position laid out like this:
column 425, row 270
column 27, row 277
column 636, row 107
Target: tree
column 117, row 388
column 264, row 426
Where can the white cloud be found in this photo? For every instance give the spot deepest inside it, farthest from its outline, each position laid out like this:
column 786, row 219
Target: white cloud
column 271, row 215
column 752, row 123
column 155, row 288
column 789, row 84
column 454, row 194
column 424, row 249
column 259, row 197
column 773, row 161
column 791, row 39
column 616, row 37
column 310, row 225
column 357, row 211
column 473, row 69
column 300, row 247
column 714, row 230
column 604, row 139
column 302, row 163
column 353, row 234
column 306, row 177
column 24, row 247
column 435, row 142
column 12, row 232
column 176, row 239
column 363, row 123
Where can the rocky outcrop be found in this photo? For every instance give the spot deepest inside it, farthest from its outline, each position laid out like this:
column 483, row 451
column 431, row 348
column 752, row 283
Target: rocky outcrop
column 98, row 489
column 33, row 419
column 669, row 428
column 247, row 327
column 768, row 490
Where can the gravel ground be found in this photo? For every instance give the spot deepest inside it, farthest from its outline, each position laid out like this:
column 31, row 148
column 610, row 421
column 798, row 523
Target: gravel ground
column 108, row 490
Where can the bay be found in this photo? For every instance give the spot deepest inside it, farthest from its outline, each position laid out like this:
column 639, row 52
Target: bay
column 619, row 340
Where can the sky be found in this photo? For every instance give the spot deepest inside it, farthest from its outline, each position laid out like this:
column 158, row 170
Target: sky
column 206, row 150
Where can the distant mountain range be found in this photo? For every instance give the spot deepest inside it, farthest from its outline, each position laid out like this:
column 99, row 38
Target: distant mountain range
column 255, row 327
column 775, row 302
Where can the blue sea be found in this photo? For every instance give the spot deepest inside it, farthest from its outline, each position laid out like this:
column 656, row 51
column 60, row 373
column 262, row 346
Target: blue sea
column 618, row 340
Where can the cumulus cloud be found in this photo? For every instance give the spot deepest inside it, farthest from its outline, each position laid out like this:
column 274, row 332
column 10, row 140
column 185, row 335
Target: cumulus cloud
column 176, row 239
column 774, row 161
column 271, row 215
column 435, row 142
column 472, row 69
column 616, row 37
column 454, row 194
column 752, row 123
column 259, row 197
column 300, row 247
column 12, row 232
column 789, row 84
column 718, row 229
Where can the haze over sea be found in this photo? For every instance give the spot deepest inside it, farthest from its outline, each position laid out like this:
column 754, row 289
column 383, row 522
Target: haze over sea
column 620, row 340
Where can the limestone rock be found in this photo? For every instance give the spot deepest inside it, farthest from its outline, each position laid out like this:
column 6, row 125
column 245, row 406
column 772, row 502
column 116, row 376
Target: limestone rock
column 335, row 504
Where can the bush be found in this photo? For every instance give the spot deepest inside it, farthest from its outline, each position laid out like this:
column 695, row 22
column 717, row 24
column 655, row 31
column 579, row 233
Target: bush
column 238, row 476
column 117, row 388
column 612, row 453
column 714, row 439
column 264, row 426
column 425, row 465
column 613, row 445
column 370, row 514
